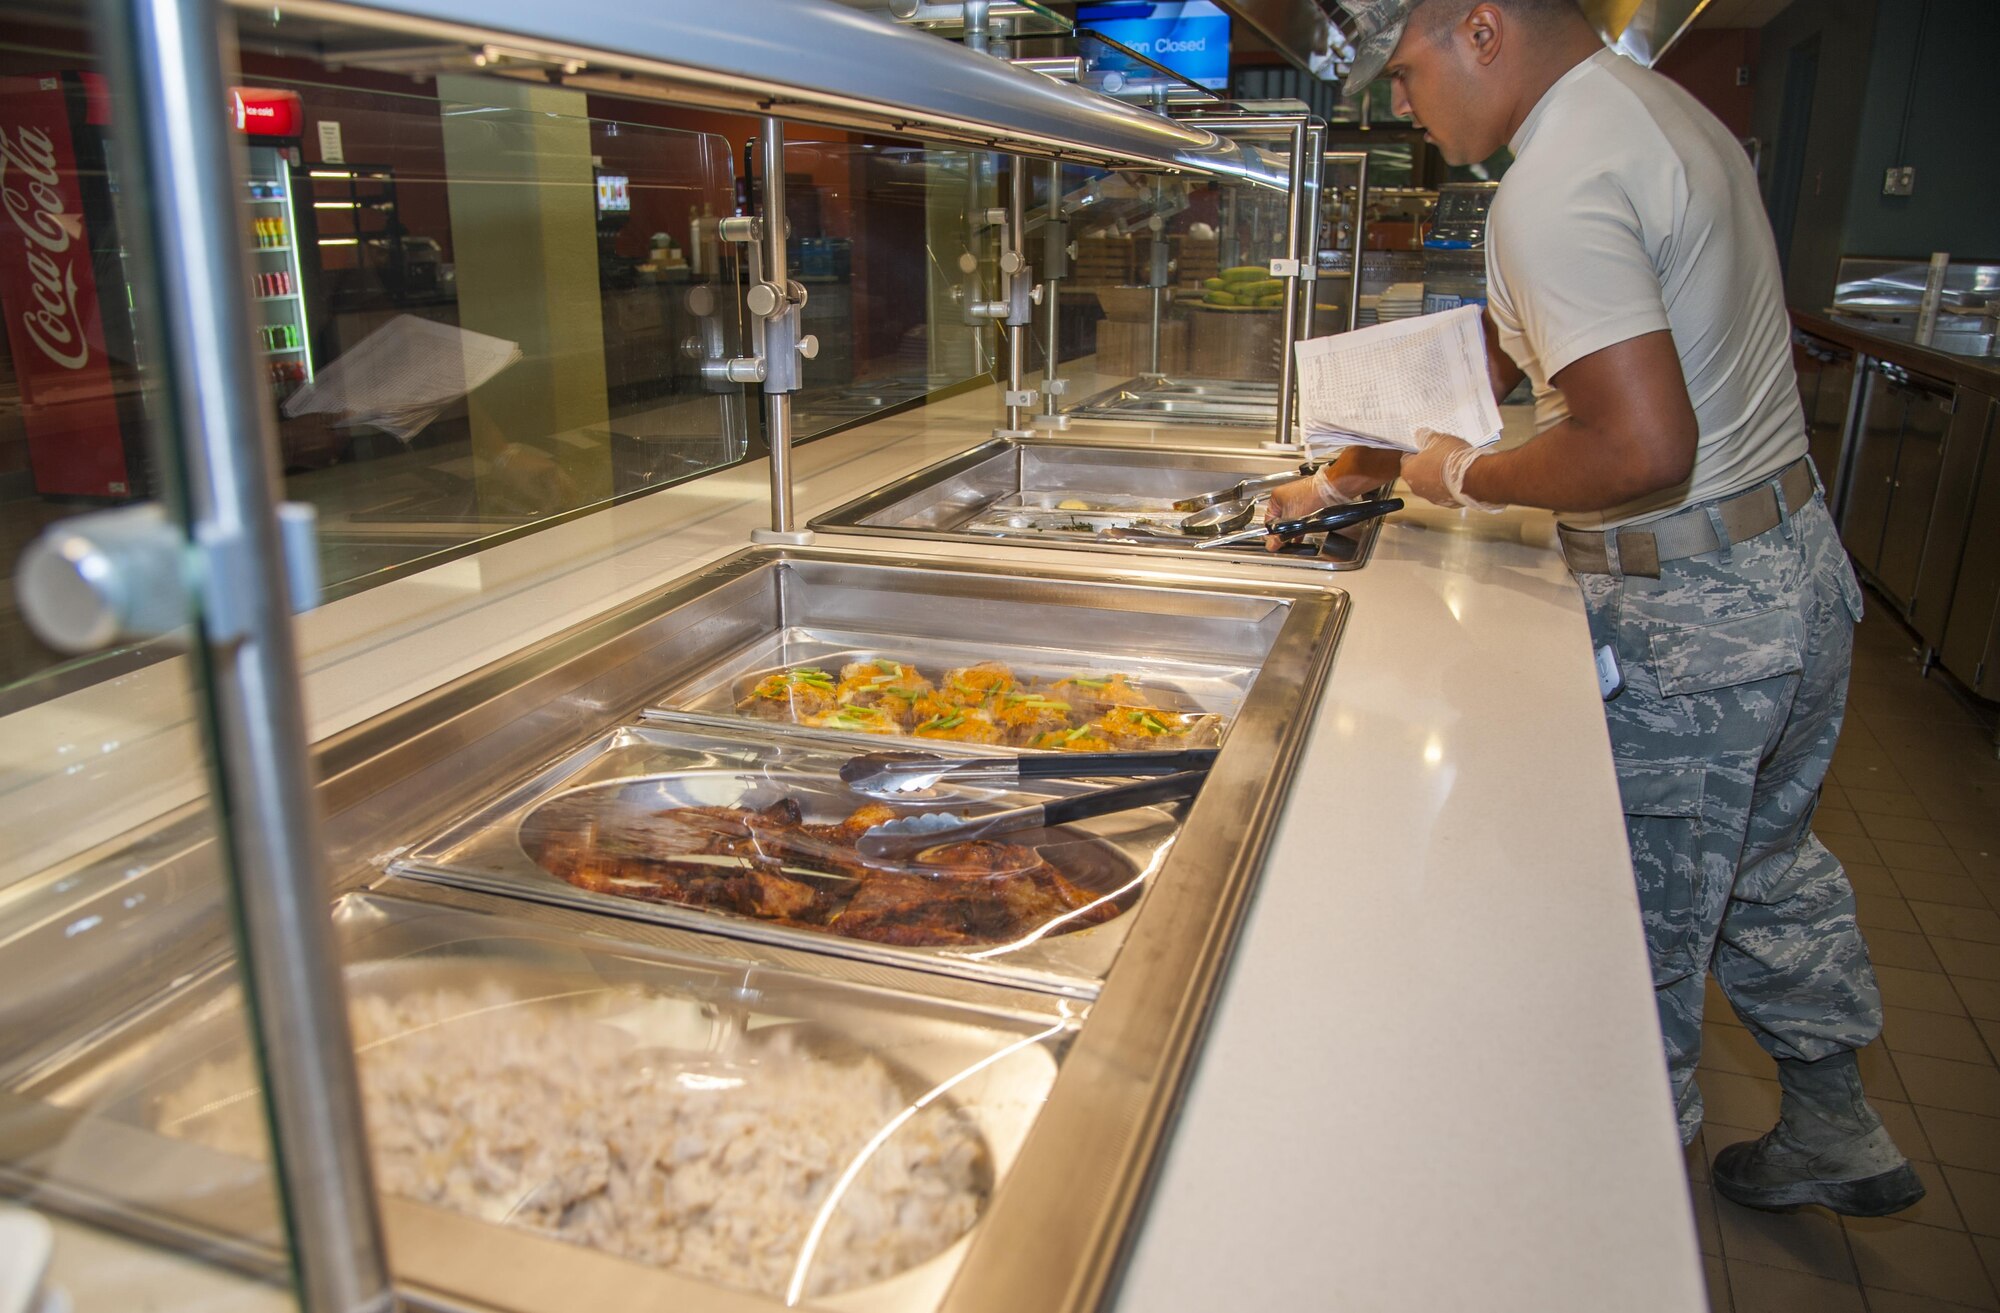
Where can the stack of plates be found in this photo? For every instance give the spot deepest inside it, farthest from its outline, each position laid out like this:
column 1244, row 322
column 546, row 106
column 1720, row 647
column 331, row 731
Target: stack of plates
column 1401, row 301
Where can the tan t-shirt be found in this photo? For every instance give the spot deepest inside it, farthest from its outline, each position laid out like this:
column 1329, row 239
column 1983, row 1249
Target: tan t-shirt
column 1628, row 209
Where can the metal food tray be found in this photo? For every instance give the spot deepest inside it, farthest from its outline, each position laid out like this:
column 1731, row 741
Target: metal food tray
column 1159, row 400
column 978, row 495
column 1111, row 856
column 1210, row 693
column 993, row 1060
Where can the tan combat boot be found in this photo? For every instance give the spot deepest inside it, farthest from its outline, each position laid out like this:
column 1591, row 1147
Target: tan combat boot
column 1828, row 1148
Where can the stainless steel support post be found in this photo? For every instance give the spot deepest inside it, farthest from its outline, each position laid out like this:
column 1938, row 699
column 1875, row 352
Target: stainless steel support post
column 1289, row 329
column 1017, row 287
column 1055, row 267
column 1158, row 315
column 779, row 305
column 1360, row 238
column 166, row 59
column 1313, row 198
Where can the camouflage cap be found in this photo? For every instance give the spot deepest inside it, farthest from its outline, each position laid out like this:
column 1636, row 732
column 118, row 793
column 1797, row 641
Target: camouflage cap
column 1378, row 26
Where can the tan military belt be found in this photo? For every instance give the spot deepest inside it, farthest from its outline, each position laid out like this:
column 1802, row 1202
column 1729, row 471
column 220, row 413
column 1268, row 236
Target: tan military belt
column 1692, row 531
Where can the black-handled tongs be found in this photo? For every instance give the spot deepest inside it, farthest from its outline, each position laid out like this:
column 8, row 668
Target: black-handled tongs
column 1322, row 521
column 892, row 774
column 909, row 835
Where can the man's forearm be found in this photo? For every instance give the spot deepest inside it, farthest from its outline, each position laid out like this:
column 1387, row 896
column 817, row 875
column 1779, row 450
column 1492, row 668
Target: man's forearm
column 1378, row 464
column 1565, row 468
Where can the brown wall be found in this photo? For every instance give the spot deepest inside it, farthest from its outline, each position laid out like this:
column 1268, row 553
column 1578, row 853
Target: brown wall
column 1705, row 61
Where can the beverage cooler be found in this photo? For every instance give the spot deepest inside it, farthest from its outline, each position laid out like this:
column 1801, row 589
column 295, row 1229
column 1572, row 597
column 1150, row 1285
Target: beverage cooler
column 281, row 230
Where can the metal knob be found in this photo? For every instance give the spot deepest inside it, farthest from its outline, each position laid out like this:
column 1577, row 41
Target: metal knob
column 701, row 301
column 85, row 583
column 763, row 299
column 809, row 347
column 1035, row 294
column 1011, row 262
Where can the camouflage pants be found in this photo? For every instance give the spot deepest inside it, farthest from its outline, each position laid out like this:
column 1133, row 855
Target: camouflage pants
column 1735, row 666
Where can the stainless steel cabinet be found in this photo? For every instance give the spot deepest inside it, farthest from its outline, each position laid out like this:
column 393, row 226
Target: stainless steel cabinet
column 1971, row 648
column 1948, row 539
column 1894, row 476
column 1872, row 472
column 1927, row 408
column 1826, row 391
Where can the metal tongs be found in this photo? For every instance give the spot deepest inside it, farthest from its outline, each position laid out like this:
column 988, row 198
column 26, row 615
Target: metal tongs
column 893, row 774
column 909, row 835
column 1322, row 521
column 1247, row 490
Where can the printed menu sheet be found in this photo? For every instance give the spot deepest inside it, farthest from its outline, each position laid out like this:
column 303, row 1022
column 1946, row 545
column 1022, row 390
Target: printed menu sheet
column 1376, row 386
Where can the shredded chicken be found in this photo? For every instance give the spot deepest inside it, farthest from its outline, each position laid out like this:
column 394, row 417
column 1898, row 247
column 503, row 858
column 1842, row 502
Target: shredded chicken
column 547, row 1117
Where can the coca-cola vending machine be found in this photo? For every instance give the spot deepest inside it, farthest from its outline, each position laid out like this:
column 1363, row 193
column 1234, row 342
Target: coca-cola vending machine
column 63, row 289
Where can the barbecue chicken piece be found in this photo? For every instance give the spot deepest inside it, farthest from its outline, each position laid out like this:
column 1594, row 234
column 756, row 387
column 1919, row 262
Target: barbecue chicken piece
column 982, row 892
column 773, row 865
column 730, row 859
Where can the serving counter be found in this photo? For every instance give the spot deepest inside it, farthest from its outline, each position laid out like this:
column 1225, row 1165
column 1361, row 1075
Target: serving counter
column 1431, row 1076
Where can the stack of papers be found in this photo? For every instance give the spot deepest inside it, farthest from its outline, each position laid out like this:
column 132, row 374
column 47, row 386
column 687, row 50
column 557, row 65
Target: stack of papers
column 1375, row 387
column 401, row 376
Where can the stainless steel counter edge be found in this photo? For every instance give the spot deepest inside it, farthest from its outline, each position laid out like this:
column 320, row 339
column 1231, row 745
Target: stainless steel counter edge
column 1979, row 374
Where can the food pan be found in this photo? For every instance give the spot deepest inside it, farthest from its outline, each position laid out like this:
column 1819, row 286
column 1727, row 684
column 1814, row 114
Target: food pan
column 512, row 1072
column 992, row 693
column 1047, row 493
column 511, row 847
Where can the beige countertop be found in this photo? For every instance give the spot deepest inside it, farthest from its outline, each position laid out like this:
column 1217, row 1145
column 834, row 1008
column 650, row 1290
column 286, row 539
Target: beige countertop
column 1433, row 1079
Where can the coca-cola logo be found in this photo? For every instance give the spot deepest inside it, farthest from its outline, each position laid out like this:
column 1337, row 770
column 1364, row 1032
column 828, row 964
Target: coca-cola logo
column 28, row 192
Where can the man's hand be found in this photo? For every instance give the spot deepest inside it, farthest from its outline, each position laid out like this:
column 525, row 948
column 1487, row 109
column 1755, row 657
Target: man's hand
column 1337, row 484
column 1423, row 469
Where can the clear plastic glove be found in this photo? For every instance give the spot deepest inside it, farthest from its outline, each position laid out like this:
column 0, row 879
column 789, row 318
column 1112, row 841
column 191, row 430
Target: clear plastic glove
column 1326, row 487
column 1424, row 469
column 1436, row 472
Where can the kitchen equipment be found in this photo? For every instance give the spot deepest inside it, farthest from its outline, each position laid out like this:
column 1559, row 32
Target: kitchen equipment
column 1245, row 403
column 627, row 776
column 1333, row 517
column 988, row 492
column 899, row 774
column 1221, row 518
column 910, row 835
column 1245, row 489
column 1138, row 533
column 175, row 1089
column 1210, row 522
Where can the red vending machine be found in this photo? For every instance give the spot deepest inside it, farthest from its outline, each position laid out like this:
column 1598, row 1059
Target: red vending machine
column 63, row 289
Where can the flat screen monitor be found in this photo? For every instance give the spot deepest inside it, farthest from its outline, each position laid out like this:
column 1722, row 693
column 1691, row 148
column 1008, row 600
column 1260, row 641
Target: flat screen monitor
column 614, row 195
column 1191, row 37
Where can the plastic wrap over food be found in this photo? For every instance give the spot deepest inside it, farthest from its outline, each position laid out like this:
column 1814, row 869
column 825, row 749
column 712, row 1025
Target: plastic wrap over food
column 1044, row 706
column 740, row 1126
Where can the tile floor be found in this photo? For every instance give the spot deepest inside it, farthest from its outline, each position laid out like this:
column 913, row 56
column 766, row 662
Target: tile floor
column 1913, row 809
